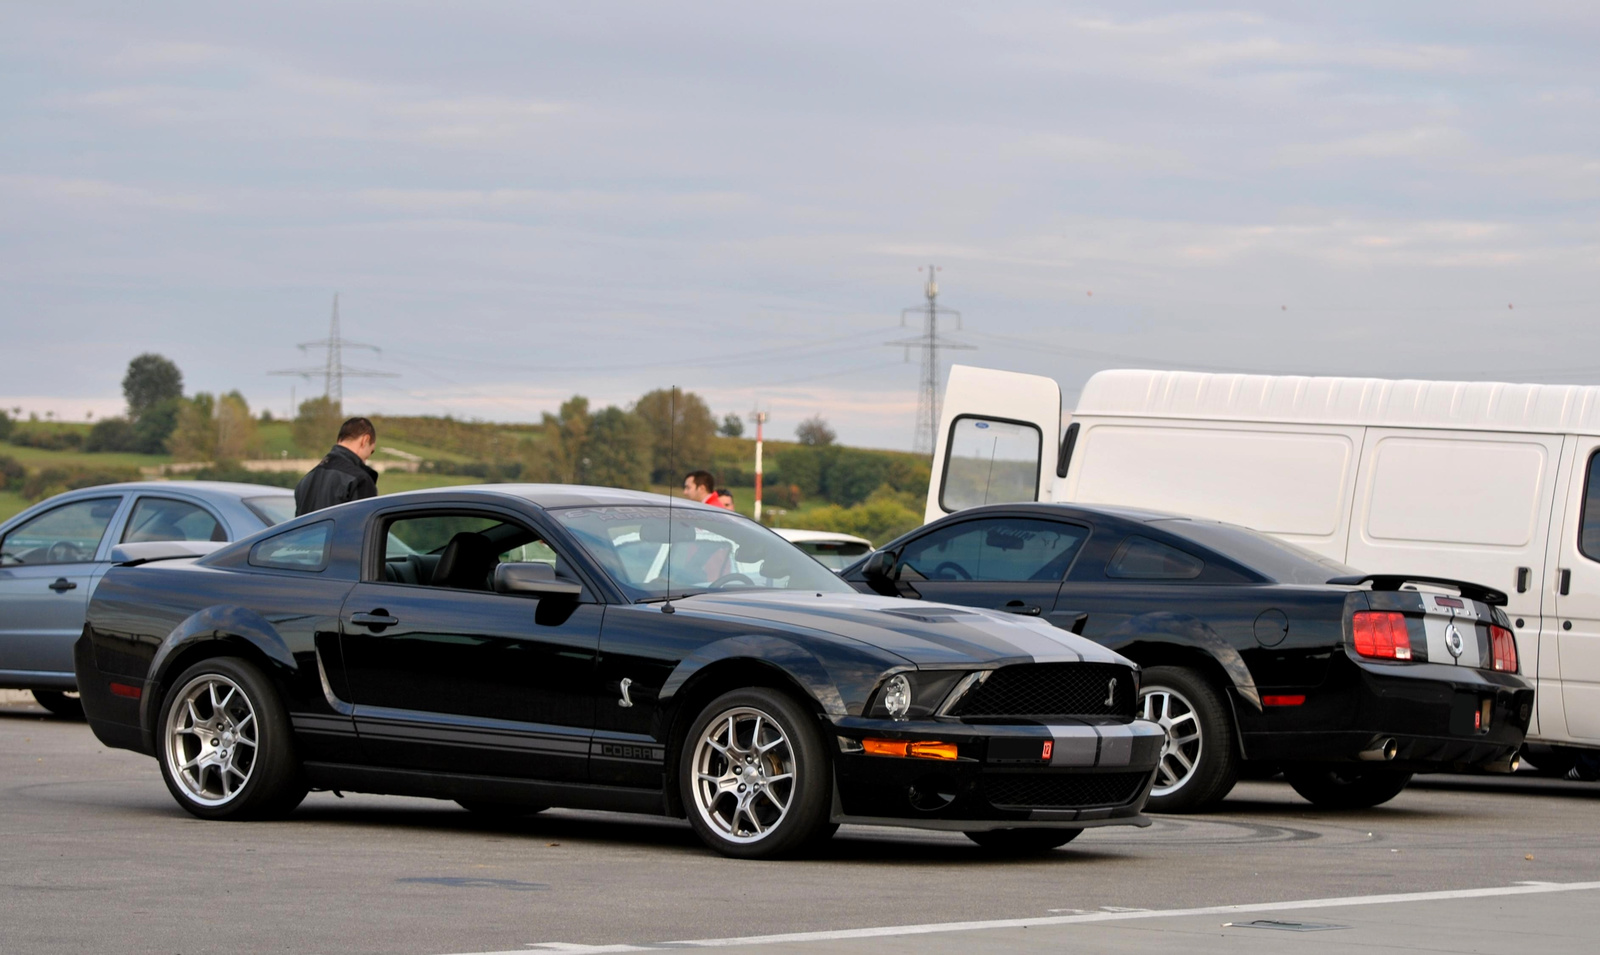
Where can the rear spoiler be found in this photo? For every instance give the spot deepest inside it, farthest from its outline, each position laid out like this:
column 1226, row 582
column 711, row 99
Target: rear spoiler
column 1490, row 596
column 143, row 552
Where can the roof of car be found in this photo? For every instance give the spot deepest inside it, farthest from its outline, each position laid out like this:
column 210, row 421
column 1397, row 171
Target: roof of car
column 1139, row 514
column 572, row 495
column 215, row 487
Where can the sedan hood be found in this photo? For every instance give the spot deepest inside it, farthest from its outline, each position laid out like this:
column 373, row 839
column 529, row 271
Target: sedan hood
column 927, row 634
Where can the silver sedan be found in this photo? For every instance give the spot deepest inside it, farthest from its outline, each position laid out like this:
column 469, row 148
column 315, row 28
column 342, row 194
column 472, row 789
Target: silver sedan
column 53, row 554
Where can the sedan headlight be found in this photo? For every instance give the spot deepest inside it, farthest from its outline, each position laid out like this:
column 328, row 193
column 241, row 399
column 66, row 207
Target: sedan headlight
column 912, row 694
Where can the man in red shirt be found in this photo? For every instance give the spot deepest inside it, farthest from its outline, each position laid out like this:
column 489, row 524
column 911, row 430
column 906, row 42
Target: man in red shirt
column 701, row 486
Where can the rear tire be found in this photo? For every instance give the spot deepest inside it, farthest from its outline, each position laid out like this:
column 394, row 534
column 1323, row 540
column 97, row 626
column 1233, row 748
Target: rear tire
column 1023, row 841
column 224, row 743
column 60, row 703
column 1200, row 758
column 754, row 775
column 499, row 810
column 1344, row 786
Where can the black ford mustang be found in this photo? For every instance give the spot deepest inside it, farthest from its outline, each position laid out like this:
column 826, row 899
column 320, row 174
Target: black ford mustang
column 519, row 647
column 1257, row 654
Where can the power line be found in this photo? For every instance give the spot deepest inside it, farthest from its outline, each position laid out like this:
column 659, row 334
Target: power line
column 928, row 345
column 334, row 370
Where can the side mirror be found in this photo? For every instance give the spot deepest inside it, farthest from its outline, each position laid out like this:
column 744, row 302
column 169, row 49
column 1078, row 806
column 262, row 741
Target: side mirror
column 538, row 580
column 878, row 567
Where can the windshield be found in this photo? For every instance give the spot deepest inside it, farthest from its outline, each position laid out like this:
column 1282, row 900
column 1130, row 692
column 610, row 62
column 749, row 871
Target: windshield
column 710, row 551
column 272, row 510
column 1275, row 559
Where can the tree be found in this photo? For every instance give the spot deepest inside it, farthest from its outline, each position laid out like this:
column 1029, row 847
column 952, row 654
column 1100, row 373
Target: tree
column 111, row 434
column 316, row 425
column 814, row 432
column 617, row 453
column 681, row 445
column 236, row 434
column 732, row 426
column 194, row 438
column 155, row 426
column 151, row 379
column 5, row 426
column 558, row 454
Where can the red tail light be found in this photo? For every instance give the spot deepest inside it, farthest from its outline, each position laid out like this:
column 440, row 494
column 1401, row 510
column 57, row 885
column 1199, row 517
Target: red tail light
column 1381, row 634
column 1503, row 649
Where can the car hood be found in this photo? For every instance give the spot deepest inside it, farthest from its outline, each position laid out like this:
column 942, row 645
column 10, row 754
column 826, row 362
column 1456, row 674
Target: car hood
column 925, row 633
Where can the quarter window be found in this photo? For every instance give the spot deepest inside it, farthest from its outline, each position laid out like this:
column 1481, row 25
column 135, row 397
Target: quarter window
column 1140, row 558
column 989, row 461
column 68, row 534
column 1589, row 531
column 304, row 548
column 1002, row 549
column 164, row 519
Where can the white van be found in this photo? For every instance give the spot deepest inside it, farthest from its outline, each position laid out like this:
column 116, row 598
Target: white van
column 1492, row 483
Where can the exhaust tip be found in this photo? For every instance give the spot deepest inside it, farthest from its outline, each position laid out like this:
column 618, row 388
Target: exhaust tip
column 1382, row 751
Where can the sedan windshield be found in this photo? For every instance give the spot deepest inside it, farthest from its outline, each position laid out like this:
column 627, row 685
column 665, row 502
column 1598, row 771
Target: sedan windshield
column 1274, row 559
column 708, row 551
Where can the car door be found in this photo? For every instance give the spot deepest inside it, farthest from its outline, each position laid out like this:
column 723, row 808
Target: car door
column 48, row 566
column 1575, row 589
column 446, row 674
column 1008, row 563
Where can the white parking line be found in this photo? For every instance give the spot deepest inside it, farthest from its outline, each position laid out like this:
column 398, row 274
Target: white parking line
column 891, row 931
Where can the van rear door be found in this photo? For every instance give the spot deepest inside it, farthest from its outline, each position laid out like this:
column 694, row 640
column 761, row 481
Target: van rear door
column 997, row 441
column 1574, row 627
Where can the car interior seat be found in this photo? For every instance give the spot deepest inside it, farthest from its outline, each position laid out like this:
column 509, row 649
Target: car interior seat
column 467, row 562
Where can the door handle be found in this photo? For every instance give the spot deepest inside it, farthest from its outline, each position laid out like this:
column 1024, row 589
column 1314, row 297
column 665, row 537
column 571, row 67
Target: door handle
column 1017, row 606
column 1523, row 573
column 1566, row 581
column 62, row 585
column 377, row 619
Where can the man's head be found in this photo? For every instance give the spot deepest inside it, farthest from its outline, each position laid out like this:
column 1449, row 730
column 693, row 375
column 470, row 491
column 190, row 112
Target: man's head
column 698, row 484
column 359, row 436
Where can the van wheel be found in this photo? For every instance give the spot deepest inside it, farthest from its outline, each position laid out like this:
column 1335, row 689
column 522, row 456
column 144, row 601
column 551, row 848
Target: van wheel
column 65, row 705
column 1346, row 787
column 226, row 750
column 754, row 775
column 1023, row 841
column 1200, row 759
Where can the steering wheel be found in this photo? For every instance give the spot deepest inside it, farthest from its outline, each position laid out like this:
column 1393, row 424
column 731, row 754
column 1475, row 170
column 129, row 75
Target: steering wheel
column 64, row 552
column 952, row 567
column 731, row 579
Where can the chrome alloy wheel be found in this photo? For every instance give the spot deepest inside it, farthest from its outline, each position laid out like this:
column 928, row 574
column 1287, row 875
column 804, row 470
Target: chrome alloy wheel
column 1180, row 752
column 211, row 739
column 744, row 775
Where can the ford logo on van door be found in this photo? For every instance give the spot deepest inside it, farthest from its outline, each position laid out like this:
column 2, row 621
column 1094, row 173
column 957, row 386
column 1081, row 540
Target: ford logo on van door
column 1453, row 641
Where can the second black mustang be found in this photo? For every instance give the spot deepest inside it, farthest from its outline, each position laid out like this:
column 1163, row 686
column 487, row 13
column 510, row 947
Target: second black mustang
column 519, row 647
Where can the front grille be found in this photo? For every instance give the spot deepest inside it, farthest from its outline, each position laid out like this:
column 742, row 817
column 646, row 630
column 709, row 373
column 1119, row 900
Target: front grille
column 1057, row 791
column 1042, row 690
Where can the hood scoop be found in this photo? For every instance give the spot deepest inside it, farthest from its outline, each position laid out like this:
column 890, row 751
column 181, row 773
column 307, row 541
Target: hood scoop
column 942, row 615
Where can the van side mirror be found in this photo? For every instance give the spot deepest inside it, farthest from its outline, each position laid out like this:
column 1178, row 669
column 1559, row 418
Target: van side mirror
column 534, row 579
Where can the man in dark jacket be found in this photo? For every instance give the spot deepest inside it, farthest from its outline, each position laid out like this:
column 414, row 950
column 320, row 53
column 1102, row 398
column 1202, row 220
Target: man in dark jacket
column 343, row 474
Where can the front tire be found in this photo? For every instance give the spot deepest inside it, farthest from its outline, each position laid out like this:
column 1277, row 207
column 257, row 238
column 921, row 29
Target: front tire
column 1346, row 787
column 754, row 775
column 1023, row 841
column 65, row 705
column 1200, row 758
column 226, row 750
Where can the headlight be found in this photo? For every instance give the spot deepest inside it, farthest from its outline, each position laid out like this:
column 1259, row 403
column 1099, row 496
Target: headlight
column 912, row 694
column 897, row 696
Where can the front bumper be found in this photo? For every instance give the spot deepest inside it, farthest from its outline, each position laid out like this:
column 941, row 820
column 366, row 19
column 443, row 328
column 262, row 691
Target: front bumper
column 1441, row 717
column 1097, row 774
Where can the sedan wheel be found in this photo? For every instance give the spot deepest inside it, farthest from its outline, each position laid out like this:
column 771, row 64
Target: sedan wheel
column 754, row 775
column 60, row 703
column 226, row 746
column 1199, row 763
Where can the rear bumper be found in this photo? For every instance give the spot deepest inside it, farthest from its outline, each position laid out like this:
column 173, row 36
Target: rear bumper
column 114, row 719
column 1097, row 774
column 1434, row 713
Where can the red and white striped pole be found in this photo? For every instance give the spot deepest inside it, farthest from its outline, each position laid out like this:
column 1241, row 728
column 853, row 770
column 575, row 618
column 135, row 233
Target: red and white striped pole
column 761, row 419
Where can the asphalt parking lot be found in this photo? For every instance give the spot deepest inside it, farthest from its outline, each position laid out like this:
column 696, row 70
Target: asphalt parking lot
column 96, row 856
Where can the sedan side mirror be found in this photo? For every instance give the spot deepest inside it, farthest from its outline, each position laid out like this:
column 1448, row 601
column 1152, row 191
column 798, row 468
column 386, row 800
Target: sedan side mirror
column 877, row 572
column 535, row 579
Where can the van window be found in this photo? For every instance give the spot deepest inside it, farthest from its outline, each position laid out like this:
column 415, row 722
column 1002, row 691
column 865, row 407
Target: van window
column 1140, row 558
column 1589, row 532
column 304, row 548
column 1002, row 548
column 990, row 461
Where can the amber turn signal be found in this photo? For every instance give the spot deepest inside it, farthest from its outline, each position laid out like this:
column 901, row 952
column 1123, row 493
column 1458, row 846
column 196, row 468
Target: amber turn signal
column 900, row 747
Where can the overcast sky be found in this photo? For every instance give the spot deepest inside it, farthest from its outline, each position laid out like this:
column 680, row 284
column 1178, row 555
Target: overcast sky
column 521, row 200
